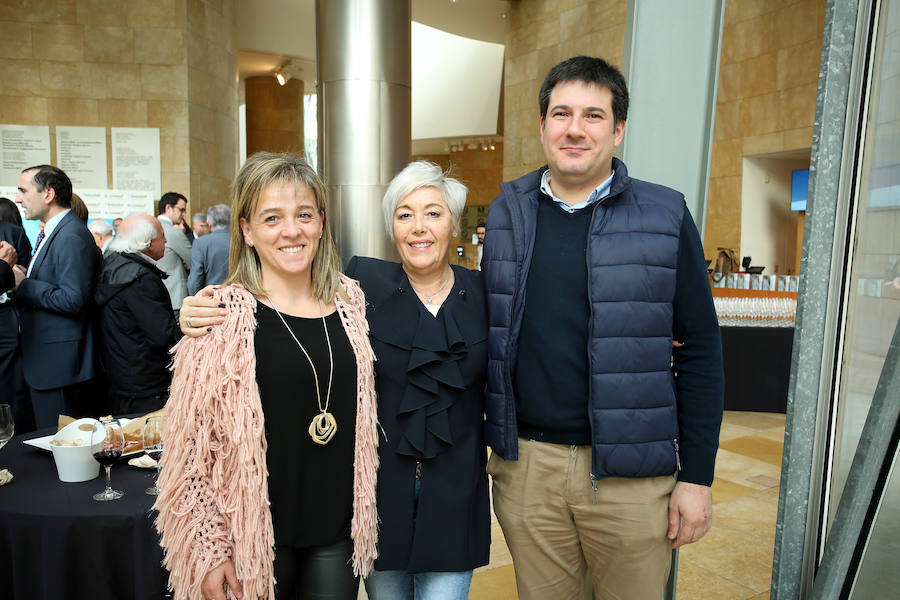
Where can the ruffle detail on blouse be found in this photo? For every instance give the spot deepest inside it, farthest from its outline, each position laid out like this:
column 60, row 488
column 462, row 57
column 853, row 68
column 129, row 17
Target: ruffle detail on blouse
column 434, row 383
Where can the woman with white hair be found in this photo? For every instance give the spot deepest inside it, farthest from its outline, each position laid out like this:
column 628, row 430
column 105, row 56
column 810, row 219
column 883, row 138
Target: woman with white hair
column 428, row 328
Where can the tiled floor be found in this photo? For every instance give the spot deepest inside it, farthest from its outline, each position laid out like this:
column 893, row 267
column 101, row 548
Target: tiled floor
column 734, row 560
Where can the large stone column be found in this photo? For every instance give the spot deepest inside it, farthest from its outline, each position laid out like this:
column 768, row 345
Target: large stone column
column 363, row 66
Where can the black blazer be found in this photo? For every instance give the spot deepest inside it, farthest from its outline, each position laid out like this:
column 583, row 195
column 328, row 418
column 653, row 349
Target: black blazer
column 15, row 236
column 54, row 305
column 430, row 380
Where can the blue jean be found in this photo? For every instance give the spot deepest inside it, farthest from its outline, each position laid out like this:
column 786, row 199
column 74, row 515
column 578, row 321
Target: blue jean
column 435, row 585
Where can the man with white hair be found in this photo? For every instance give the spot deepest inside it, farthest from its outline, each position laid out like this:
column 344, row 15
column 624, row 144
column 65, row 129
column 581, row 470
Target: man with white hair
column 102, row 232
column 200, row 225
column 136, row 319
column 209, row 255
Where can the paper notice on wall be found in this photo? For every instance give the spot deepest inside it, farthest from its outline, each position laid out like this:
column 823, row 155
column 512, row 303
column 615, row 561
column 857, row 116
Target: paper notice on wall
column 113, row 204
column 135, row 159
column 81, row 153
column 22, row 146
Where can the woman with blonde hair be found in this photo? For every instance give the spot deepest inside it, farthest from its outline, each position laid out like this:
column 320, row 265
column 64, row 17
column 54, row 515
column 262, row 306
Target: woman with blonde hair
column 269, row 472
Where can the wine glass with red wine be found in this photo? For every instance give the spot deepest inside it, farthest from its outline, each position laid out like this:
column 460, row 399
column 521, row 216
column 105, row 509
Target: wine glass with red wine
column 153, row 445
column 107, row 444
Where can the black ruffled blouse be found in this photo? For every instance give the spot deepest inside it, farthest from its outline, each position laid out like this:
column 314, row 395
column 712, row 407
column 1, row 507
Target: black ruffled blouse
column 430, row 378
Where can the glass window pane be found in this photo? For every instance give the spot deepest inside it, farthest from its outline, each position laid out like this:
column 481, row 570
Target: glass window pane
column 874, row 298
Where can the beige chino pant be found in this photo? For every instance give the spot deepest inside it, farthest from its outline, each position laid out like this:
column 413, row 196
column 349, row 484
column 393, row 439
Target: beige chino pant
column 558, row 528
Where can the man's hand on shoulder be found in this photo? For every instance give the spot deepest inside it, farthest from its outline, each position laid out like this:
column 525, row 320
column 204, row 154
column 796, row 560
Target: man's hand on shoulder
column 690, row 513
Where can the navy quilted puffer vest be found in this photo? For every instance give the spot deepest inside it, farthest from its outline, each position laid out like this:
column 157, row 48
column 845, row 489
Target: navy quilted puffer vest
column 632, row 257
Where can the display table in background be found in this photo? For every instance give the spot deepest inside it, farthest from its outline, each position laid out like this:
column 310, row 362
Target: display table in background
column 56, row 542
column 757, row 367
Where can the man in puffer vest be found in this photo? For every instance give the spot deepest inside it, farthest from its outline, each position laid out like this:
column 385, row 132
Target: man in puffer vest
column 605, row 380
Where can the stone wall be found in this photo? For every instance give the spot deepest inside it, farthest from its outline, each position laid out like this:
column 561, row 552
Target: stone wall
column 766, row 100
column 169, row 64
column 541, row 34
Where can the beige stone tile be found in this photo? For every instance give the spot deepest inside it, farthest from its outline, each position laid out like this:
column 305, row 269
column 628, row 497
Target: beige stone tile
column 759, row 74
column 798, row 22
column 99, row 12
column 726, row 158
column 757, row 447
column 23, row 111
column 797, row 107
column 697, row 583
column 123, row 113
column 16, row 40
column 798, row 64
column 164, row 82
column 763, row 596
column 20, row 77
column 65, row 80
column 798, row 139
column 73, row 111
column 734, row 555
column 108, row 44
column 196, row 17
column 730, row 84
column 608, row 44
column 38, row 11
column 197, row 48
column 222, row 65
column 156, row 13
column 755, row 514
column 159, row 46
column 200, row 88
column 58, row 42
column 495, row 584
column 118, row 81
column 604, row 13
column 763, row 144
column 176, row 180
column 724, row 490
column 730, row 431
column 173, row 152
column 776, row 433
column 760, row 114
column 739, row 468
column 171, row 116
column 575, row 21
column 727, row 120
column 755, row 420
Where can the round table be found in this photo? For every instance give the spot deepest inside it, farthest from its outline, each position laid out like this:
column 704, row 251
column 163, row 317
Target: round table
column 57, row 542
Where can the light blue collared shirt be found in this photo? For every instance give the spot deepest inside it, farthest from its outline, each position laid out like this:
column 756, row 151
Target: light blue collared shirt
column 49, row 226
column 600, row 192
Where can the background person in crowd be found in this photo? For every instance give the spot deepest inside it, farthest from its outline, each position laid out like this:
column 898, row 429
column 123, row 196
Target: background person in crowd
column 209, row 254
column 15, row 248
column 307, row 409
column 479, row 233
column 137, row 325
column 597, row 444
column 53, row 300
column 200, row 225
column 116, row 222
column 80, row 209
column 176, row 262
column 9, row 213
column 428, row 328
column 102, row 232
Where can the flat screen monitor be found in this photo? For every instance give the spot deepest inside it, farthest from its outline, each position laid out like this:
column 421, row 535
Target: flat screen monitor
column 799, row 187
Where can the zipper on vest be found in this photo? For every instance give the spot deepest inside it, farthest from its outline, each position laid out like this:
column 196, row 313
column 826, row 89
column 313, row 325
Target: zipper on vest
column 594, row 486
column 677, row 456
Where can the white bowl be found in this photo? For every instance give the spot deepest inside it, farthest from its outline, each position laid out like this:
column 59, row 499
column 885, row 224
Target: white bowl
column 75, row 463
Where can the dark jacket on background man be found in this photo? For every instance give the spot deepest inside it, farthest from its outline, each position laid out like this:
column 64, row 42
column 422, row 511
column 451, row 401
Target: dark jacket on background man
column 137, row 327
column 646, row 284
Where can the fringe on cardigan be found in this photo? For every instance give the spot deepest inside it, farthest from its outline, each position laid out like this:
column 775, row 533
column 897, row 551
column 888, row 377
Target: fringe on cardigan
column 214, row 502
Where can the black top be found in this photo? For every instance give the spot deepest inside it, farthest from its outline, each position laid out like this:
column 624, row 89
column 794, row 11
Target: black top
column 310, row 485
column 551, row 374
column 430, row 379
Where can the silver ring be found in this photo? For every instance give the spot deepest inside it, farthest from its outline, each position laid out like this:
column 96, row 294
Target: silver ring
column 187, row 321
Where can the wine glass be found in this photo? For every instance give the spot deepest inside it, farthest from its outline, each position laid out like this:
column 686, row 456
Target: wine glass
column 6, row 424
column 107, row 444
column 153, row 445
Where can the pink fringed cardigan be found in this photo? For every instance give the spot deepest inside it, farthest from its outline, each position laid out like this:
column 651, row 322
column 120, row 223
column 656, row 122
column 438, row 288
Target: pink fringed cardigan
column 214, row 502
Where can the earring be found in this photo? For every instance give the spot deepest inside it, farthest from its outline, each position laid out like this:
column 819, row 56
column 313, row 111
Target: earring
column 250, row 244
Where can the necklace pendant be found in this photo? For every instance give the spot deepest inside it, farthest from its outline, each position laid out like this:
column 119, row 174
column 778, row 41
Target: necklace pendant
column 428, row 299
column 322, row 428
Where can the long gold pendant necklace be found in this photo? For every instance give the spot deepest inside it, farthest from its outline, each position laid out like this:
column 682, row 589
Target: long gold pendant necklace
column 323, row 426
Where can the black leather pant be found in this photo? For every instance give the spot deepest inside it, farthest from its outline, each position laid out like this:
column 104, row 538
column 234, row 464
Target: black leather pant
column 319, row 573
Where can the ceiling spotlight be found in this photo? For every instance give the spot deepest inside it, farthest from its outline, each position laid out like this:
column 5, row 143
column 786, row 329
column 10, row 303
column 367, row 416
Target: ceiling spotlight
column 280, row 76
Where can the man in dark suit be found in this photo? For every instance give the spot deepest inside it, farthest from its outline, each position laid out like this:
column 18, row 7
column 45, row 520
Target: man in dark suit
column 54, row 297
column 15, row 249
column 209, row 254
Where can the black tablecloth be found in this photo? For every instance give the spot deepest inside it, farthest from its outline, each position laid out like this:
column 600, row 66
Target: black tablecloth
column 56, row 542
column 757, row 367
